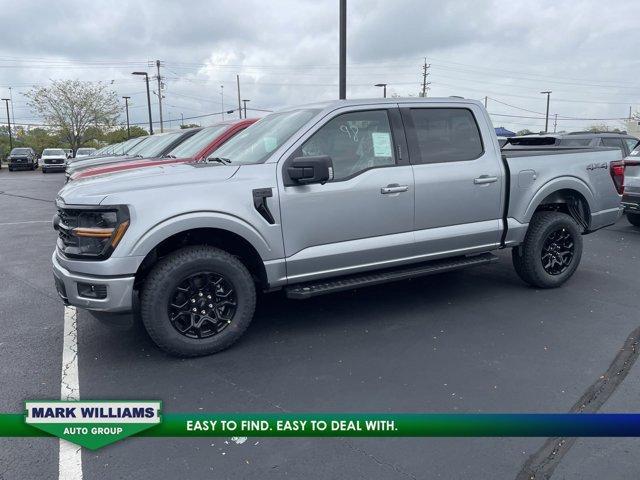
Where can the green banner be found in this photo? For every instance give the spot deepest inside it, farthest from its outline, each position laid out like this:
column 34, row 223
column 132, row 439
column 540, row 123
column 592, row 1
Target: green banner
column 95, row 424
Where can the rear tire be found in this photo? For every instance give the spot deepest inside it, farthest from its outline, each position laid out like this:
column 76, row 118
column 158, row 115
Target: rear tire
column 182, row 282
column 551, row 251
column 634, row 219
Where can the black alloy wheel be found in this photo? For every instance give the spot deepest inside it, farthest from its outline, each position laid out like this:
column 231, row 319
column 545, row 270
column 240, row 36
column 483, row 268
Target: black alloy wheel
column 203, row 305
column 557, row 251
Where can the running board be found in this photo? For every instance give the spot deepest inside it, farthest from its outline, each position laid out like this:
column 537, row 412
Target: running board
column 321, row 287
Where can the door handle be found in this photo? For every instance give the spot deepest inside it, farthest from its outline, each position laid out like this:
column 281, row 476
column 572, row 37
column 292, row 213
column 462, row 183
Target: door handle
column 484, row 179
column 394, row 188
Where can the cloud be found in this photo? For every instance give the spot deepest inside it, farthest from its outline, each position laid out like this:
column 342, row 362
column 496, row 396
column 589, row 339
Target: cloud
column 286, row 52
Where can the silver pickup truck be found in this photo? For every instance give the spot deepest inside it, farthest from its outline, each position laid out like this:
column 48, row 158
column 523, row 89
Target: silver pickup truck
column 322, row 198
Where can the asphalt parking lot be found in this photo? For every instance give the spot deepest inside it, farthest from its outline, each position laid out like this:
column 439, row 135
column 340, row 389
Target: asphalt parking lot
column 469, row 341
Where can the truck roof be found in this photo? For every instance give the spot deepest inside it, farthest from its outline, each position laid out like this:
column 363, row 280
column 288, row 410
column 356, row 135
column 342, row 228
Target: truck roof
column 332, row 104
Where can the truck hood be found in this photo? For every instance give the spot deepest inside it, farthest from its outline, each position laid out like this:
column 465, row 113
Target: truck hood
column 94, row 190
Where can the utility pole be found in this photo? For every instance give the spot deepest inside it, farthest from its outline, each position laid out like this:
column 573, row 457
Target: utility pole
column 146, row 79
column 245, row 107
column 546, row 122
column 6, row 101
column 342, row 75
column 181, row 119
column 239, row 104
column 485, row 102
column 555, row 122
column 425, row 73
column 126, row 106
column 160, row 95
column 13, row 113
column 222, row 101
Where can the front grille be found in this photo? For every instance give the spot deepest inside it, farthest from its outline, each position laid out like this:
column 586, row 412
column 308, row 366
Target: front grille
column 53, row 161
column 68, row 221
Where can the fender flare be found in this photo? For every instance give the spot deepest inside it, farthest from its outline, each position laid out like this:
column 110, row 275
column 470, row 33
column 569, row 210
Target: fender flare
column 196, row 220
column 560, row 183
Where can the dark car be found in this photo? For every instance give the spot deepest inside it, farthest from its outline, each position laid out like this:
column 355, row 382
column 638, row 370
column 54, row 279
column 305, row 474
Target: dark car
column 22, row 158
column 574, row 140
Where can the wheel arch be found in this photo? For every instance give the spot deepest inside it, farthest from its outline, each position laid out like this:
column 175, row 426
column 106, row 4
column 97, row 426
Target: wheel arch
column 230, row 234
column 568, row 195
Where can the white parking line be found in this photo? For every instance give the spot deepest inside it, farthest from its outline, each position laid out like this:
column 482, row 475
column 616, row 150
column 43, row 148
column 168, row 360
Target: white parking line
column 70, row 455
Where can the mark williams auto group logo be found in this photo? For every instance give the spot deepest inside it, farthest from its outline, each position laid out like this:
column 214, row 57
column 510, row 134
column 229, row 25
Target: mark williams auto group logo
column 93, row 424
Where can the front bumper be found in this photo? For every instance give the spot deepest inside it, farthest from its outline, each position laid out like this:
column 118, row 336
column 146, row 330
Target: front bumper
column 50, row 167
column 119, row 289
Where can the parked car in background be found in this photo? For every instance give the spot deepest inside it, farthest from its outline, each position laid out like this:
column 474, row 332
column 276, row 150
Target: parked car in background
column 622, row 141
column 53, row 160
column 631, row 197
column 194, row 149
column 318, row 199
column 154, row 146
column 85, row 152
column 68, row 152
column 115, row 150
column 22, row 158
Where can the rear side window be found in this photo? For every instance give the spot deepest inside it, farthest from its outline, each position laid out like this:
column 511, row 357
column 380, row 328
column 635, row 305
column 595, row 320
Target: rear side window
column 574, row 142
column 612, row 142
column 446, row 135
column 631, row 143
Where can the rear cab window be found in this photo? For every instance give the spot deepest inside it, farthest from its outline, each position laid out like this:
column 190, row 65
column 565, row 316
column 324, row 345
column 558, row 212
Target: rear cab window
column 439, row 135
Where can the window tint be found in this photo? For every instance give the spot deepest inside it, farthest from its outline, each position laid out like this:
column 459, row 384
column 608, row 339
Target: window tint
column 446, row 135
column 612, row 142
column 631, row 143
column 355, row 142
column 574, row 142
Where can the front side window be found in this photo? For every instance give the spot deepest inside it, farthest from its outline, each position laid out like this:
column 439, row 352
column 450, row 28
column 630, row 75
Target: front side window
column 446, row 135
column 355, row 142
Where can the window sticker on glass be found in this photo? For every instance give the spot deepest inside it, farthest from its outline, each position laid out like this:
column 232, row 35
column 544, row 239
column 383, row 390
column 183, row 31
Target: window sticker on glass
column 270, row 143
column 381, row 144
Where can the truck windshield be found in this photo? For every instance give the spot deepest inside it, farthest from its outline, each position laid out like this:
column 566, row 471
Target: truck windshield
column 256, row 143
column 53, row 151
column 20, row 151
column 154, row 146
column 200, row 140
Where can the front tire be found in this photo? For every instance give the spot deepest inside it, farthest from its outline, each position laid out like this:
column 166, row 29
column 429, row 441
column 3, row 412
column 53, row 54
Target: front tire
column 197, row 301
column 551, row 251
column 634, row 219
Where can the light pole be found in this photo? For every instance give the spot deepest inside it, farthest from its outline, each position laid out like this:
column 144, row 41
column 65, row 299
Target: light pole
column 126, row 107
column 546, row 122
column 245, row 106
column 342, row 76
column 6, row 101
column 384, row 89
column 146, row 78
column 222, row 101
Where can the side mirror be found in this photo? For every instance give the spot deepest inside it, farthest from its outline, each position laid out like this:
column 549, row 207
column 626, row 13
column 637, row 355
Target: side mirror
column 308, row 170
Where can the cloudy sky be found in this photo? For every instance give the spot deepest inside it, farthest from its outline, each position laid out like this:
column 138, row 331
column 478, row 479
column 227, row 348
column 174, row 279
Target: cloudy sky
column 286, row 52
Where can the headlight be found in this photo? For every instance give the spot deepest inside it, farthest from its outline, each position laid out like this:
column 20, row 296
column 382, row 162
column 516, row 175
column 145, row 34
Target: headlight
column 90, row 232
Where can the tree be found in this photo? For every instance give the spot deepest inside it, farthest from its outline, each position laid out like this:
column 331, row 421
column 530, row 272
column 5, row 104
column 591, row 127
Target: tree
column 602, row 128
column 73, row 106
column 120, row 134
column 526, row 131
